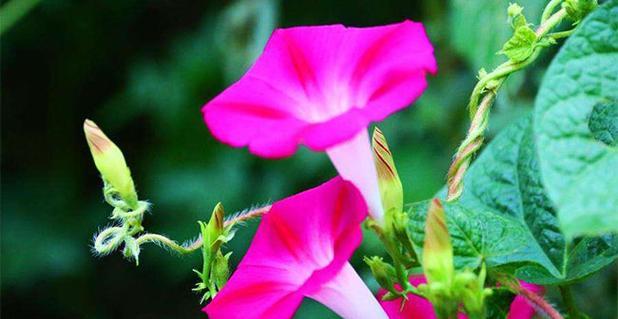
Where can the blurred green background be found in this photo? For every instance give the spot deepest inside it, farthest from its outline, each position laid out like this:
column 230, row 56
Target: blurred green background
column 142, row 70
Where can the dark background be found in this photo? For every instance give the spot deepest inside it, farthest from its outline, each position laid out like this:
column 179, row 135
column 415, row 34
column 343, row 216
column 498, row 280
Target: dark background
column 141, row 70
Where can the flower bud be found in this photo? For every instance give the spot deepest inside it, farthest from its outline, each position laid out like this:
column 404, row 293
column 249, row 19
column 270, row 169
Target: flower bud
column 391, row 190
column 110, row 162
column 214, row 228
column 220, row 269
column 382, row 272
column 437, row 249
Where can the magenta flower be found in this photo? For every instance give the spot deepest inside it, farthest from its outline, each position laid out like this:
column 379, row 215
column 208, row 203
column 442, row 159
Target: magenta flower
column 301, row 249
column 321, row 87
column 420, row 308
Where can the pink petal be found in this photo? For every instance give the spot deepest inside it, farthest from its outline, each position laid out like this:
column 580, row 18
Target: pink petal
column 354, row 162
column 349, row 297
column 302, row 243
column 520, row 308
column 321, row 85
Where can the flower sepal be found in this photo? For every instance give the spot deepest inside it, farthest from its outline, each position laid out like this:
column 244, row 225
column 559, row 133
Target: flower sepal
column 215, row 270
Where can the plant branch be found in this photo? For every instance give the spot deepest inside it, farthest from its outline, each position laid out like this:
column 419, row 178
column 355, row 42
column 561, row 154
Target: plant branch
column 171, row 244
column 247, row 215
column 539, row 303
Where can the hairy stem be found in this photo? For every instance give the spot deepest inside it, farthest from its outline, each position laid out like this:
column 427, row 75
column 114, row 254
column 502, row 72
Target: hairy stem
column 247, row 215
column 162, row 240
column 197, row 244
column 539, row 303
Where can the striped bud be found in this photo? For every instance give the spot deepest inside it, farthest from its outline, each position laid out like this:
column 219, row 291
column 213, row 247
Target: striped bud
column 391, row 190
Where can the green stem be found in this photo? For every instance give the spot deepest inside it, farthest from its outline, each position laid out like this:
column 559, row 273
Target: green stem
column 561, row 34
column 162, row 240
column 481, row 100
column 569, row 302
column 14, row 10
column 549, row 9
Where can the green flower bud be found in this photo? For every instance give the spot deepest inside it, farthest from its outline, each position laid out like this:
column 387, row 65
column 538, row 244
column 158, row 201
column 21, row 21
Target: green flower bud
column 110, row 162
column 391, row 190
column 220, row 270
column 437, row 249
column 382, row 272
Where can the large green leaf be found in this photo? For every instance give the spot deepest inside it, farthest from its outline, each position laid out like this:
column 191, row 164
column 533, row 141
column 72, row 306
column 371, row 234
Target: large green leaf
column 479, row 235
column 505, row 180
column 480, row 28
column 575, row 126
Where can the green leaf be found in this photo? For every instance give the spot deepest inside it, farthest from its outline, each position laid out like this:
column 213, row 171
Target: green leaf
column 575, row 123
column 505, row 180
column 603, row 122
column 480, row 28
column 478, row 235
column 520, row 47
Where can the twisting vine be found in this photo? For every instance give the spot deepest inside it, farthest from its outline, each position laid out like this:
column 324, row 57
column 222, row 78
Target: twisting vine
column 522, row 50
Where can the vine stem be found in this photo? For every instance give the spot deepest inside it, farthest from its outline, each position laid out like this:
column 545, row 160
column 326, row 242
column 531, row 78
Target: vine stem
column 488, row 87
column 539, row 303
column 197, row 244
column 247, row 215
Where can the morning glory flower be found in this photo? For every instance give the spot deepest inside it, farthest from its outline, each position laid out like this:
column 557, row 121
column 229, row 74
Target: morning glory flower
column 322, row 86
column 301, row 249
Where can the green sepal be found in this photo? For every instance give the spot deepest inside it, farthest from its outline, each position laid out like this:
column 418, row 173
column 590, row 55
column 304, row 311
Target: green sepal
column 383, row 272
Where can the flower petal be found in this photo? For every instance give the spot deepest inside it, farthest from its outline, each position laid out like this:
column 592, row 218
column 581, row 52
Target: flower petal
column 301, row 243
column 355, row 163
column 309, row 76
column 349, row 297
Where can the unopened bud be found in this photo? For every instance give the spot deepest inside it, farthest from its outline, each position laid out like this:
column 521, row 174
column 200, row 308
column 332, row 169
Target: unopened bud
column 110, row 162
column 214, row 228
column 391, row 190
column 220, row 269
column 437, row 249
column 382, row 272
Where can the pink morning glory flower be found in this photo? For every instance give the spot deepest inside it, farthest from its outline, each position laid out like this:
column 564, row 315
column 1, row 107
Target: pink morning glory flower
column 321, row 86
column 420, row 308
column 301, row 249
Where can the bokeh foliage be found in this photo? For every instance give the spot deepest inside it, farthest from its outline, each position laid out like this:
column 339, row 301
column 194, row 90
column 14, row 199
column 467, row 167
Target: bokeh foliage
column 142, row 70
